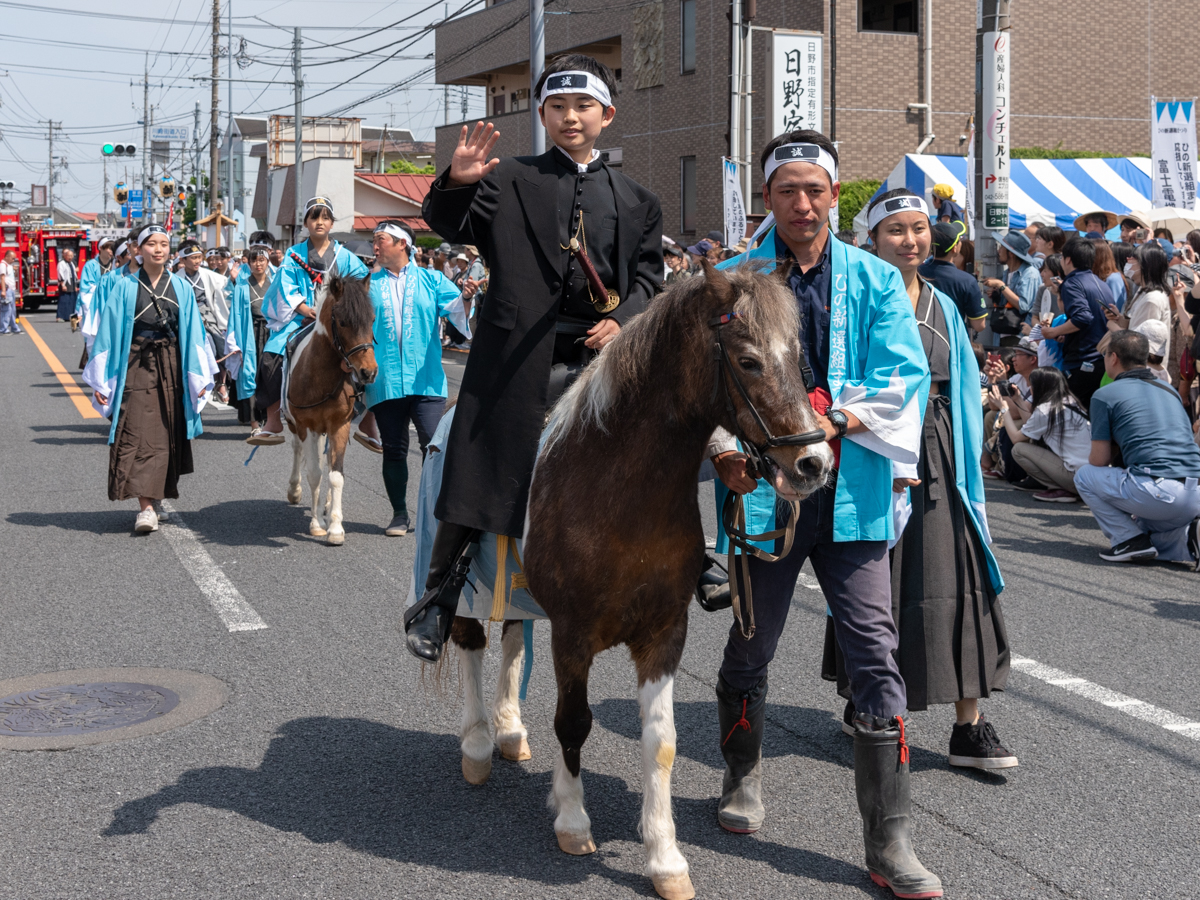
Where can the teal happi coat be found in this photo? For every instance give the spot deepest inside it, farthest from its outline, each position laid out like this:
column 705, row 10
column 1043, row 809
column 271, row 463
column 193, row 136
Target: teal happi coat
column 240, row 346
column 106, row 370
column 292, row 286
column 89, row 281
column 877, row 371
column 91, row 318
column 408, row 347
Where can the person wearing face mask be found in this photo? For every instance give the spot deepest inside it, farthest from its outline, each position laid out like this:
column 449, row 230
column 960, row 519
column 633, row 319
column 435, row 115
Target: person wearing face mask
column 1147, row 269
column 945, row 581
column 150, row 372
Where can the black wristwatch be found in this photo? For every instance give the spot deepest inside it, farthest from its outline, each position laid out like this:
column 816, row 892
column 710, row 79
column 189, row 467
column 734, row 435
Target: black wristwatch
column 839, row 420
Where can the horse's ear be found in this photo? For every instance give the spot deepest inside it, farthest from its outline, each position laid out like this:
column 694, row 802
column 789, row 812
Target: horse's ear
column 335, row 287
column 783, row 269
column 720, row 288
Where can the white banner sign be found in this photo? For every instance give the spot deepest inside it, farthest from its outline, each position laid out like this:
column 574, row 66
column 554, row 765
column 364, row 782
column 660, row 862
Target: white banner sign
column 1173, row 153
column 969, row 192
column 795, row 81
column 997, row 130
column 735, row 208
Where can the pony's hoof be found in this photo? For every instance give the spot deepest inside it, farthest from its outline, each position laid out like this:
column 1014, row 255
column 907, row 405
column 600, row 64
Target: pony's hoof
column 576, row 844
column 294, row 497
column 477, row 771
column 516, row 749
column 675, row 887
column 316, row 531
column 335, row 538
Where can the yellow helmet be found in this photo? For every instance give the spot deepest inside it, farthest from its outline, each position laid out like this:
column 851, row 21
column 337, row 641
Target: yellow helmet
column 943, row 191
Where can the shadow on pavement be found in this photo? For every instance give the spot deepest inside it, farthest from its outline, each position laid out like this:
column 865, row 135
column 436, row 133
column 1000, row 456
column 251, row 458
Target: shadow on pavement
column 105, row 521
column 1174, row 609
column 400, row 795
column 254, row 523
column 80, row 427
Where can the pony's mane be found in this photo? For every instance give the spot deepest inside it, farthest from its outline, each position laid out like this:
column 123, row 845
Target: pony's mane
column 354, row 310
column 764, row 306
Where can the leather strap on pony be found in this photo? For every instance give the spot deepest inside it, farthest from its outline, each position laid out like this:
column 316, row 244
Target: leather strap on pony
column 733, row 517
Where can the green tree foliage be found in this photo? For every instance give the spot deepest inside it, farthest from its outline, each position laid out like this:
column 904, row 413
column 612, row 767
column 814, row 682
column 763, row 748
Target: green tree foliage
column 853, row 197
column 404, row 167
column 1057, row 152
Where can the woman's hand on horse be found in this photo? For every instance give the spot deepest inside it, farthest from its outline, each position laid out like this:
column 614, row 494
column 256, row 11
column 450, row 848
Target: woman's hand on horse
column 470, row 161
column 601, row 333
column 731, row 469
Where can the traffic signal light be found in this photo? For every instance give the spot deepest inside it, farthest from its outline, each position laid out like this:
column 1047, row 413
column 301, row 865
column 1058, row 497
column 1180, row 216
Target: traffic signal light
column 119, row 150
column 6, row 185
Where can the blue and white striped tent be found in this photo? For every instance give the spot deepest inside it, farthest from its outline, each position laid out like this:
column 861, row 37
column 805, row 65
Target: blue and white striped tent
column 1040, row 190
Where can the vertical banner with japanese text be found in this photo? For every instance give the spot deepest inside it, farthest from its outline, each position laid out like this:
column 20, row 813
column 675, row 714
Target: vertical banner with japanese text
column 969, row 209
column 997, row 130
column 735, row 207
column 795, row 81
column 1173, row 153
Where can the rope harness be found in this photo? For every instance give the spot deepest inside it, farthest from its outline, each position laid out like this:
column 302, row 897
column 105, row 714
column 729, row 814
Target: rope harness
column 733, row 514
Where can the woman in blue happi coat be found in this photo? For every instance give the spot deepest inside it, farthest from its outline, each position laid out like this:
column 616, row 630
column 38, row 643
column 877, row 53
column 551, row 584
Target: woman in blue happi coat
column 247, row 332
column 945, row 581
column 291, row 302
column 411, row 384
column 150, row 372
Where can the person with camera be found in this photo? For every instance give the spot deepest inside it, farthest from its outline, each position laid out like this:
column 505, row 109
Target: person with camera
column 1084, row 298
column 1055, row 420
column 1013, row 297
column 1148, row 505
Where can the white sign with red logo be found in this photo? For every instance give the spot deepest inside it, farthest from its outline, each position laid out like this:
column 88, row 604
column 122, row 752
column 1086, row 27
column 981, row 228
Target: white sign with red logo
column 997, row 130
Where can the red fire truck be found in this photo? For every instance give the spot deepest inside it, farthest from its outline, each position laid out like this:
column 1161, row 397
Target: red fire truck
column 41, row 248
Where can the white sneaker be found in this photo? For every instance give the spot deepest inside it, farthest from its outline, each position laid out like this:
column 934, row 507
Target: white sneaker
column 146, row 522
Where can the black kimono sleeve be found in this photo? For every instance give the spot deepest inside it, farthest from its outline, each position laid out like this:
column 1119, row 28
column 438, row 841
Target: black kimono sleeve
column 462, row 215
column 647, row 280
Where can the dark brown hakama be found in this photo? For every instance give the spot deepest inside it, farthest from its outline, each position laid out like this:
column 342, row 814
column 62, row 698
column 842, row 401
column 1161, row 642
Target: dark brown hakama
column 151, row 448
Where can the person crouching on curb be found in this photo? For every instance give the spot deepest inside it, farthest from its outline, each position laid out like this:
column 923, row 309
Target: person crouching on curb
column 150, row 373
column 1150, row 508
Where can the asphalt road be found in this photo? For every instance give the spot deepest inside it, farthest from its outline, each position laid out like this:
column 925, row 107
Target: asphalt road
column 334, row 771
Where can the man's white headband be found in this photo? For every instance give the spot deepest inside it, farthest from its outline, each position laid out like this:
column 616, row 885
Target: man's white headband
column 395, row 231
column 575, row 82
column 881, row 211
column 809, row 153
column 121, row 248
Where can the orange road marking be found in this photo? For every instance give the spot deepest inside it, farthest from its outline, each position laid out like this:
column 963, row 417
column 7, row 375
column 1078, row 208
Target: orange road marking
column 74, row 391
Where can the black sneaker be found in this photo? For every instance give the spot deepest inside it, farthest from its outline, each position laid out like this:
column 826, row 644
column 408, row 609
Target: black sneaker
column 848, row 718
column 1136, row 549
column 398, row 527
column 1029, row 484
column 1194, row 543
column 978, row 747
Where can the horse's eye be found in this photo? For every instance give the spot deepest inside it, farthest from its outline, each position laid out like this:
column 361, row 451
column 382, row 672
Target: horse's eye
column 750, row 364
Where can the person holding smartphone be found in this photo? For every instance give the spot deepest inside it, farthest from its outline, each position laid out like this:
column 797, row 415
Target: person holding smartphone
column 1084, row 298
column 1147, row 269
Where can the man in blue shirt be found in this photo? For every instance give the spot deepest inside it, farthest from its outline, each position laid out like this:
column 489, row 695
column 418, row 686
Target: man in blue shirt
column 1084, row 298
column 1150, row 508
column 1021, row 283
column 943, row 272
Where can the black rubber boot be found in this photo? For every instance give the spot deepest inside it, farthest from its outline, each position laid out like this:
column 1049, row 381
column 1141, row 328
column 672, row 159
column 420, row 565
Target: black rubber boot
column 882, row 781
column 741, row 715
column 395, row 482
column 427, row 622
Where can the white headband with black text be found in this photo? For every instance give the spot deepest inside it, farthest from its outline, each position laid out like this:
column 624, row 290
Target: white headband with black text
column 576, row 82
column 907, row 203
column 395, row 231
column 149, row 230
column 809, row 153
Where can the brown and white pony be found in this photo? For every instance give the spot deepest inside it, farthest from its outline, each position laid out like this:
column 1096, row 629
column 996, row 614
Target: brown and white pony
column 328, row 370
column 614, row 543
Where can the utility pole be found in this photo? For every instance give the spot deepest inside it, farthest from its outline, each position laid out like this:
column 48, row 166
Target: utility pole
column 537, row 64
column 146, row 163
column 213, row 193
column 229, row 131
column 196, row 172
column 298, row 214
column 105, row 160
column 446, row 87
column 50, row 178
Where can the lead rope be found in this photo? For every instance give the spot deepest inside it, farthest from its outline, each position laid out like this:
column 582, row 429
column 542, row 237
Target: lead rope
column 734, row 517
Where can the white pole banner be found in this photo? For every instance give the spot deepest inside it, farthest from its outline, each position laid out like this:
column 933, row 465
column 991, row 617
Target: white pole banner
column 795, row 81
column 997, row 130
column 735, row 208
column 1173, row 153
column 969, row 192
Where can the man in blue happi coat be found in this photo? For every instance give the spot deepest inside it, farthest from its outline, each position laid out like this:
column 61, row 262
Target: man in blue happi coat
column 866, row 370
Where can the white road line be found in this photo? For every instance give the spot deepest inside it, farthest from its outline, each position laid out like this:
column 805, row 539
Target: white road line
column 235, row 612
column 1131, row 706
column 811, row 583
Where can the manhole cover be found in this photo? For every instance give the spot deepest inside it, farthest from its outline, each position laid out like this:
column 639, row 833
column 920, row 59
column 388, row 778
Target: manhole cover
column 83, row 708
column 65, row 710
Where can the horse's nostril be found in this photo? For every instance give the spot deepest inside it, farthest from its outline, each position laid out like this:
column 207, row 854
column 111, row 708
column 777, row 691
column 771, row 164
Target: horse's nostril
column 809, row 466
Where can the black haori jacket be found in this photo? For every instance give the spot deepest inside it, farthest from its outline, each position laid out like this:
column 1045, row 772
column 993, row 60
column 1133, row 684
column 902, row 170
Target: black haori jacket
column 512, row 217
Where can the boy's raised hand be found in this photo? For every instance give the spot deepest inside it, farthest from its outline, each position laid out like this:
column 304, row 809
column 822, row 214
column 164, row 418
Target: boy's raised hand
column 470, row 161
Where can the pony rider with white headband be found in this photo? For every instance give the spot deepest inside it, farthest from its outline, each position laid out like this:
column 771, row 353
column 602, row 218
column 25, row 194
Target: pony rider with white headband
column 866, row 373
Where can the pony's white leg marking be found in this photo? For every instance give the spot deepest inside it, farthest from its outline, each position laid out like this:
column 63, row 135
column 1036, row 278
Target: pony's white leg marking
column 312, row 464
column 511, row 736
column 295, row 491
column 476, row 739
column 572, row 825
column 337, row 534
column 664, row 863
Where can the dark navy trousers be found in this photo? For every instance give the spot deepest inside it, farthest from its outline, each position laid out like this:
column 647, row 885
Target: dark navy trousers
column 855, row 577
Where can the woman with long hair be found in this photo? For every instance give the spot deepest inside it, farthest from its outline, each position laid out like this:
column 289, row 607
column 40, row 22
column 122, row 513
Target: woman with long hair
column 1105, row 268
column 1059, row 423
column 953, row 645
column 1147, row 269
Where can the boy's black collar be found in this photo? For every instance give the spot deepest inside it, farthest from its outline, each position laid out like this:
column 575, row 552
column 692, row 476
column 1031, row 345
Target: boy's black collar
column 563, row 158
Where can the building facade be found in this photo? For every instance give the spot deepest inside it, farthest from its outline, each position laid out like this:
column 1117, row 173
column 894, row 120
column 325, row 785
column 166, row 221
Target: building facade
column 1081, row 80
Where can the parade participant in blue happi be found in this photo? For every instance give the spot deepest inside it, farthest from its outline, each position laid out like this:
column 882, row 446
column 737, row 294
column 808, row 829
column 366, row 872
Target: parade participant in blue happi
column 247, row 332
column 291, row 301
column 89, row 281
column 867, row 376
column 945, row 581
column 150, row 372
column 124, row 263
column 411, row 384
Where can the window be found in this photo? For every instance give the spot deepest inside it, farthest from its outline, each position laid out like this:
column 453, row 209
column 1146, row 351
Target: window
column 687, row 31
column 687, row 194
column 896, row 16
